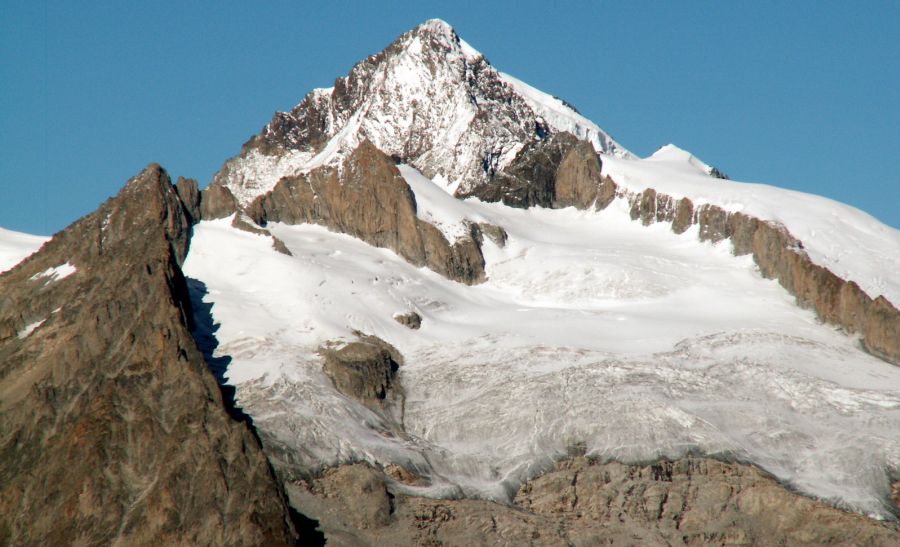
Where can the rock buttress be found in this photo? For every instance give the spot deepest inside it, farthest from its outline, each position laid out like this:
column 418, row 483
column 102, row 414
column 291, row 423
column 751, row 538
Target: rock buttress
column 112, row 429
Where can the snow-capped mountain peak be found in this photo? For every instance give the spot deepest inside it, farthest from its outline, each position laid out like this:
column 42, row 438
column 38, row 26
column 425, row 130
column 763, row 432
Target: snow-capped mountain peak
column 675, row 155
column 430, row 100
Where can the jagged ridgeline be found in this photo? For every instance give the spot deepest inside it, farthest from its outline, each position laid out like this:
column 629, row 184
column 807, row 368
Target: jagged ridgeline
column 433, row 304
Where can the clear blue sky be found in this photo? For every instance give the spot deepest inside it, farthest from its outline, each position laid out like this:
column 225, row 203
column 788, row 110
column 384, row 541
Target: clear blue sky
column 799, row 94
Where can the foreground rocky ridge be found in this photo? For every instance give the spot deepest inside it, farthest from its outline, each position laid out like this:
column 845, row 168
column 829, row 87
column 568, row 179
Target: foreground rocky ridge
column 692, row 501
column 112, row 429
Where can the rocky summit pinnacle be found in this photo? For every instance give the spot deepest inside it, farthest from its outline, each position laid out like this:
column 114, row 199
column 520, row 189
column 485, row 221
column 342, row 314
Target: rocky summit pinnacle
column 430, row 100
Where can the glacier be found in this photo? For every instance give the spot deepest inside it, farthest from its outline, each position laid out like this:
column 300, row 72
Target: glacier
column 592, row 333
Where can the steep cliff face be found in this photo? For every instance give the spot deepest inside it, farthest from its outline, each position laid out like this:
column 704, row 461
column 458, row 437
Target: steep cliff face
column 112, row 430
column 368, row 198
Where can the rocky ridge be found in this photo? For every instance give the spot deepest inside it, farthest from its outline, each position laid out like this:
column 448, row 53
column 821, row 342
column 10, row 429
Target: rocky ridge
column 692, row 501
column 112, row 428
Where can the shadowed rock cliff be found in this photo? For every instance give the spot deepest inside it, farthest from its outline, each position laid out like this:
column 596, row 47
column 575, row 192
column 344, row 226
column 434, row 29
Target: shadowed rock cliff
column 112, row 429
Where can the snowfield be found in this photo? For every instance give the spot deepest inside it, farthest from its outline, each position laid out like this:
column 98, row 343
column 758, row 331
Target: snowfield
column 847, row 241
column 16, row 246
column 591, row 333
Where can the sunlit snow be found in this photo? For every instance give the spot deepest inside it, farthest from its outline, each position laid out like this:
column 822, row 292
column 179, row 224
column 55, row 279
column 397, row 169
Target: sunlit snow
column 847, row 241
column 15, row 246
column 592, row 331
column 55, row 273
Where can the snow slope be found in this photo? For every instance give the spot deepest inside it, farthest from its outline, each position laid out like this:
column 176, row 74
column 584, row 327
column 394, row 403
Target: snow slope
column 16, row 246
column 847, row 241
column 591, row 330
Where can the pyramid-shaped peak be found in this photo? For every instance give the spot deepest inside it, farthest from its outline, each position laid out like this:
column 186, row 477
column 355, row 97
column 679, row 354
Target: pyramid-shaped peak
column 429, row 100
column 437, row 35
column 435, row 26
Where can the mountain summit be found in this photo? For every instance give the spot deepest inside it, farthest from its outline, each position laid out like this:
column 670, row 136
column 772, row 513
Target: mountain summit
column 429, row 100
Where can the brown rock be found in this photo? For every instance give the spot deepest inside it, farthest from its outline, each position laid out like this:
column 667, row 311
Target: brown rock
column 410, row 319
column 530, row 179
column 189, row 194
column 578, row 177
column 694, row 501
column 217, row 202
column 684, row 216
column 279, row 246
column 364, row 369
column 112, row 429
column 495, row 233
column 368, row 198
column 606, row 193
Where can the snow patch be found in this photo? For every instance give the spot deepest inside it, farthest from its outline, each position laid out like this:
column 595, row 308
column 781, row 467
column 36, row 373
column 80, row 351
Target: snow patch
column 29, row 328
column 55, row 273
column 435, row 206
column 16, row 246
column 671, row 153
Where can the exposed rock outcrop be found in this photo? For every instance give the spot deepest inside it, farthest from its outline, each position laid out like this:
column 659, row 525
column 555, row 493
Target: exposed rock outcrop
column 245, row 224
column 409, row 319
column 217, row 202
column 363, row 369
column 189, row 193
column 368, row 198
column 112, row 429
column 692, row 501
column 493, row 232
column 578, row 179
column 530, row 179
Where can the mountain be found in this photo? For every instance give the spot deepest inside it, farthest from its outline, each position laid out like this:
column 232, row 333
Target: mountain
column 434, row 304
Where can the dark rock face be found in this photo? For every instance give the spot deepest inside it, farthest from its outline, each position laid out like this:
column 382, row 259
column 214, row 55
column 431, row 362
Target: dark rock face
column 692, row 501
column 189, row 193
column 364, row 369
column 112, row 428
column 578, row 178
column 369, row 199
column 530, row 180
column 495, row 233
column 217, row 202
